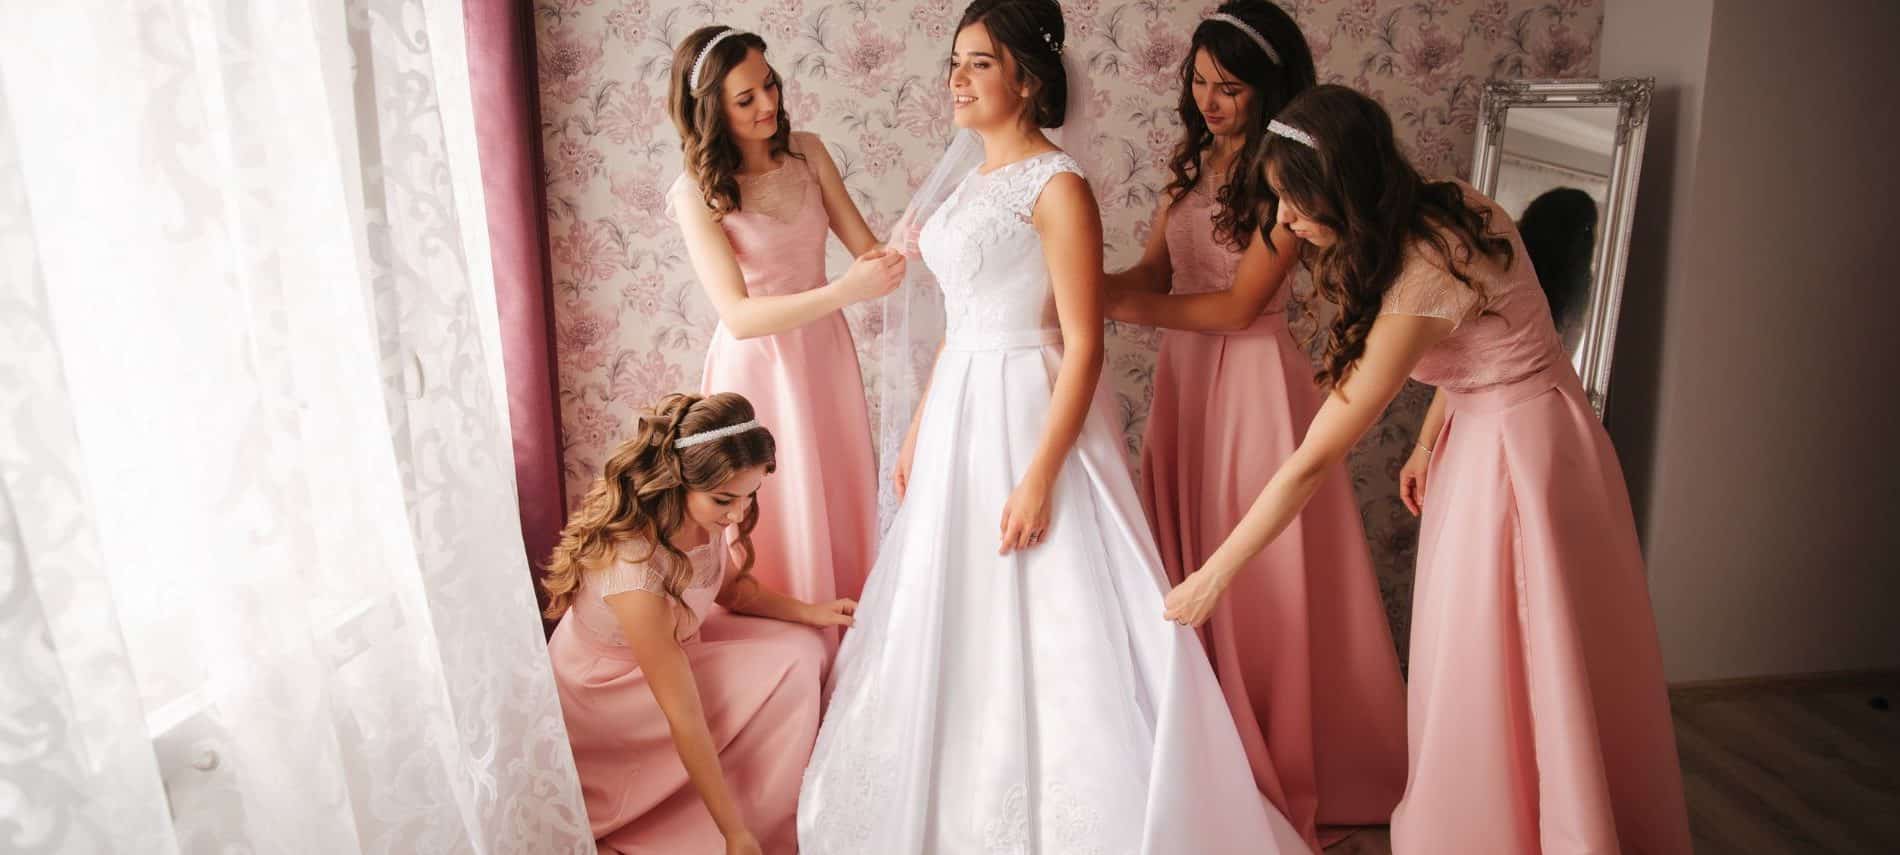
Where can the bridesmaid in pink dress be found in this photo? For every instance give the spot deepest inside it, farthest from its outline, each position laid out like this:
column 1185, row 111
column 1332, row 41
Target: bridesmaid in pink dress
column 1538, row 717
column 691, row 724
column 754, row 204
column 1302, row 646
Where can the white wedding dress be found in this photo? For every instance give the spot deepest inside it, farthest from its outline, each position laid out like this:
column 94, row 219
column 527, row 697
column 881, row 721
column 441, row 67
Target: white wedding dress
column 1036, row 702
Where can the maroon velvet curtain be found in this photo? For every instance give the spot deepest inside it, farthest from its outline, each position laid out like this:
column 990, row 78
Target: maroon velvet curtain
column 501, row 58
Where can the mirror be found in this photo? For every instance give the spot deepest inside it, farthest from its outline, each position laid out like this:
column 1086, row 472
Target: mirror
column 1562, row 156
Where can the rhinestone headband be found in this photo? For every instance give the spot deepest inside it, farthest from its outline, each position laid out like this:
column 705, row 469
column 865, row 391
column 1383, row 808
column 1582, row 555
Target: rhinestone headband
column 1250, row 32
column 1050, row 40
column 1279, row 128
column 699, row 62
column 706, row 436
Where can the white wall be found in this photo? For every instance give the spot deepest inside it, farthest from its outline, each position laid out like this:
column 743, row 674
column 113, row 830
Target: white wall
column 1748, row 398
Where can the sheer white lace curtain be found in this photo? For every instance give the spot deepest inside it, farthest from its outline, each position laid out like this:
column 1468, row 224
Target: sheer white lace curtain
column 260, row 578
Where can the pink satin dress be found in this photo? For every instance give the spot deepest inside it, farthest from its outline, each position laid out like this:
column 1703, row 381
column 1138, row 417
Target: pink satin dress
column 758, row 681
column 818, row 513
column 1301, row 642
column 1538, row 714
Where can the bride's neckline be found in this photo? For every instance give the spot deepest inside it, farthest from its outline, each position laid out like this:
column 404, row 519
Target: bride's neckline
column 1016, row 162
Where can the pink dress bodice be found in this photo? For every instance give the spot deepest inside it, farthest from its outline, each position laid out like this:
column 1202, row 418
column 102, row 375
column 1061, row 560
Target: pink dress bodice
column 1202, row 263
column 778, row 233
column 624, row 576
column 1503, row 333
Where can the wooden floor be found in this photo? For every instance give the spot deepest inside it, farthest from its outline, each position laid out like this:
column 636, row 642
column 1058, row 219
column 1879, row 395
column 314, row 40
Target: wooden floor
column 1790, row 768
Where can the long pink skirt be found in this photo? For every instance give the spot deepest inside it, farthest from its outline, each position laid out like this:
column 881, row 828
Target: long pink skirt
column 1539, row 718
column 1300, row 643
column 817, row 533
column 759, row 683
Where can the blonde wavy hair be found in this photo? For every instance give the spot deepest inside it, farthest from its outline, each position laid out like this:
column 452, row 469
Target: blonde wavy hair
column 631, row 512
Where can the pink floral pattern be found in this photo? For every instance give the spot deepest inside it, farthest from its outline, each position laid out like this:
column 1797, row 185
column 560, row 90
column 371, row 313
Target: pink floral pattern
column 584, row 339
column 642, row 202
column 631, row 322
column 641, row 379
column 629, row 115
column 880, row 155
column 869, row 59
column 570, row 61
column 1155, row 61
column 629, row 20
column 585, row 253
column 572, row 163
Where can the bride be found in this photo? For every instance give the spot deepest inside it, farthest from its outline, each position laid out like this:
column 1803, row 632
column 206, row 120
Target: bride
column 1011, row 685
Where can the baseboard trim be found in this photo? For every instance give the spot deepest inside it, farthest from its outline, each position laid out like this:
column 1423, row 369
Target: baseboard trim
column 1691, row 690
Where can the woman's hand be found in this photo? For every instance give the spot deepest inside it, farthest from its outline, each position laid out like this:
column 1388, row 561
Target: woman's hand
column 1412, row 479
column 833, row 613
column 1025, row 515
column 1192, row 602
column 873, row 275
column 1117, row 303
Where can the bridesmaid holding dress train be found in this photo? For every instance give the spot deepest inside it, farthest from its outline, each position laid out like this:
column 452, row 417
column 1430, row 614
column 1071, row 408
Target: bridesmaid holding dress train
column 1538, row 718
column 1301, row 645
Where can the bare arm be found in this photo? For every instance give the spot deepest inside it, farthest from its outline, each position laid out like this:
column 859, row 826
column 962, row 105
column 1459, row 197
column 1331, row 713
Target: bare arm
column 1262, row 272
column 1071, row 230
column 1416, row 472
column 846, row 221
column 1393, row 348
column 747, row 595
column 646, row 619
column 746, row 316
column 1154, row 273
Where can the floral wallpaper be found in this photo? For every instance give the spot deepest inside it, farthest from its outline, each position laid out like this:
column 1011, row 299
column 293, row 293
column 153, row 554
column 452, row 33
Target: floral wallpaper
column 632, row 324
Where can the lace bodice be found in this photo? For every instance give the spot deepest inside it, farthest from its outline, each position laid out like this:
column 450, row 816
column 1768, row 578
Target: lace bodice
column 779, row 194
column 624, row 576
column 1503, row 331
column 1202, row 263
column 778, row 233
column 986, row 254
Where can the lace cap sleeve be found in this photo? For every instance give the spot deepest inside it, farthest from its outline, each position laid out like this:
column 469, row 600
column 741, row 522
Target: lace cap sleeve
column 1426, row 288
column 1052, row 166
column 626, row 575
column 1037, row 175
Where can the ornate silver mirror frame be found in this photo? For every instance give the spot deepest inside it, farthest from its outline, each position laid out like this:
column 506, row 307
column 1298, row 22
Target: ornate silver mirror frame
column 1624, row 141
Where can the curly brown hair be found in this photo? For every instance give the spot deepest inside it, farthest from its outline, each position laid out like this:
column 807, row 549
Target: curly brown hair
column 1355, row 181
column 1245, row 199
column 640, row 499
column 712, row 158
